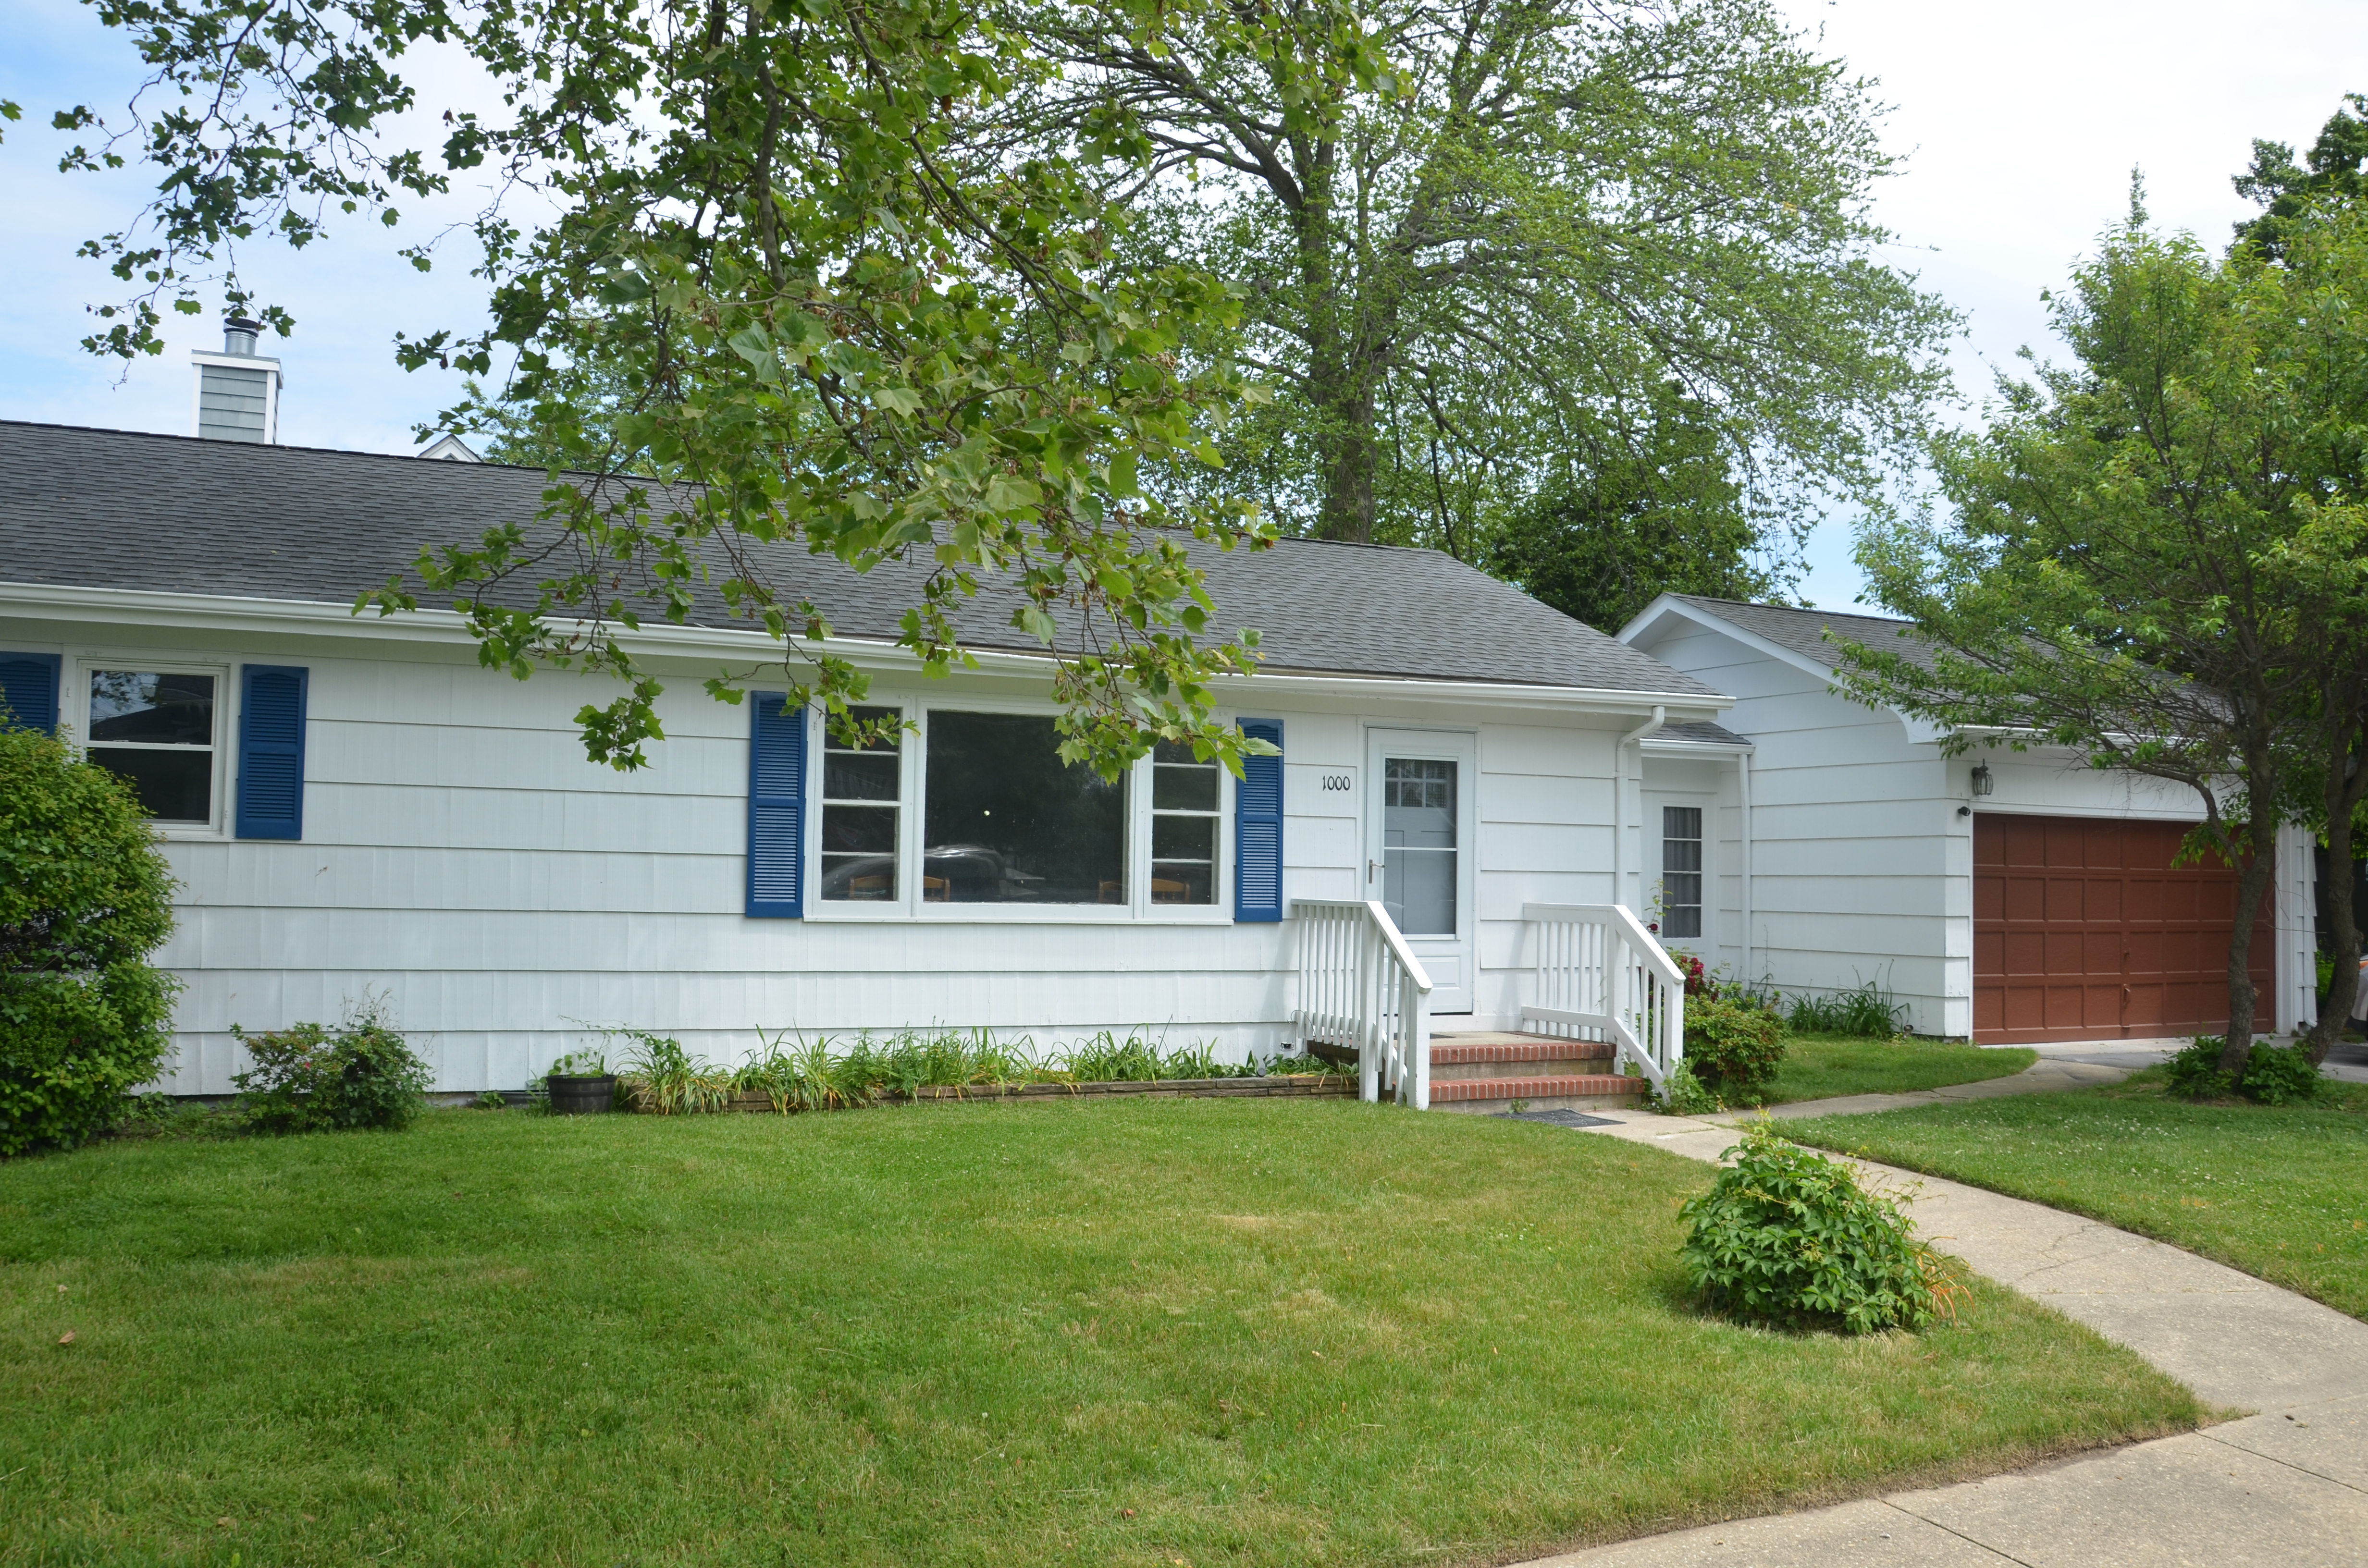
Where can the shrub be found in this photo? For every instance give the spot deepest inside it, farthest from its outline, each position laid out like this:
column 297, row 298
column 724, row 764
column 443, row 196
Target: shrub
column 310, row 1078
column 84, row 897
column 2280, row 1074
column 2194, row 1071
column 1787, row 1236
column 1733, row 1049
column 1686, row 1096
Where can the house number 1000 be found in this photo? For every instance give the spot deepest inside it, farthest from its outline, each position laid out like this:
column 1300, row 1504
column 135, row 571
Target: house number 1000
column 1340, row 781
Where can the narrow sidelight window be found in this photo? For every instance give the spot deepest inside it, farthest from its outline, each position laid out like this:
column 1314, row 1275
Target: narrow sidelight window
column 1184, row 796
column 861, row 790
column 157, row 730
column 1007, row 822
column 1681, row 870
column 1418, row 871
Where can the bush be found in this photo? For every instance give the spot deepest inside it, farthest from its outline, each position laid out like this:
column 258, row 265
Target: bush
column 84, row 897
column 1734, row 1050
column 1686, row 1096
column 2278, row 1075
column 2273, row 1074
column 1787, row 1236
column 310, row 1078
column 2194, row 1072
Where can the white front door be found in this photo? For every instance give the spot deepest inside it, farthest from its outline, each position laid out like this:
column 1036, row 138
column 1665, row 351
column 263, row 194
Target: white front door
column 1419, row 828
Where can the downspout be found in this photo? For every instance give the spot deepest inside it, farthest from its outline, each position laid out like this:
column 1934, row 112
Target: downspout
column 1743, row 790
column 1620, row 798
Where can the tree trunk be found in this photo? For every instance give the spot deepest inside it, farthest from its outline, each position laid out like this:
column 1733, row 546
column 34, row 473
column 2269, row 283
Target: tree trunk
column 2254, row 879
column 2347, row 778
column 1349, row 474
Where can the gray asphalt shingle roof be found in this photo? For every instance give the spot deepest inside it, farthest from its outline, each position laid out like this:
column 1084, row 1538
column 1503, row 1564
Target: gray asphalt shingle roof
column 115, row 510
column 1802, row 631
column 1702, row 733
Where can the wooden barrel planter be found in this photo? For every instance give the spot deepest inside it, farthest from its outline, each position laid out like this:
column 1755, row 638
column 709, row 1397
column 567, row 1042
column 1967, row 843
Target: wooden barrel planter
column 584, row 1095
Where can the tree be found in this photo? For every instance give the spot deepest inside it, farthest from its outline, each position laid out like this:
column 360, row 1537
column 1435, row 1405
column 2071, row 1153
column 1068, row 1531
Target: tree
column 848, row 314
column 1657, row 512
column 84, row 897
column 1471, row 264
column 2285, row 190
column 2150, row 562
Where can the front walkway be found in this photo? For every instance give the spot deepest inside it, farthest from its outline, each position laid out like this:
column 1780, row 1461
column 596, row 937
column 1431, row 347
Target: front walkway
column 2286, row 1484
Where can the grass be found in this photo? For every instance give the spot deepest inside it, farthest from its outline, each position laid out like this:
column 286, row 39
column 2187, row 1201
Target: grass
column 1205, row 1331
column 2278, row 1192
column 1824, row 1066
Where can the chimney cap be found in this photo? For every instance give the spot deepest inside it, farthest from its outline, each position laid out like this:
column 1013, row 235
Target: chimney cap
column 239, row 333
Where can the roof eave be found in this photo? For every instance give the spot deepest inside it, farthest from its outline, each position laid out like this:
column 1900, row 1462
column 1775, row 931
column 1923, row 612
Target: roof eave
column 226, row 612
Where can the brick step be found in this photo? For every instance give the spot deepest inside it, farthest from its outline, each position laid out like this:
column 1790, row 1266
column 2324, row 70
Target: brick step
column 1563, row 1092
column 1450, row 1051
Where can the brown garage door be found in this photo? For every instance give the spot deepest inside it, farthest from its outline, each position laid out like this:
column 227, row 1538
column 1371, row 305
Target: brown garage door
column 2083, row 930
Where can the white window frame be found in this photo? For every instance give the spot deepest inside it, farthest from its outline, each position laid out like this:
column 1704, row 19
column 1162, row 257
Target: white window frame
column 83, row 662
column 908, row 907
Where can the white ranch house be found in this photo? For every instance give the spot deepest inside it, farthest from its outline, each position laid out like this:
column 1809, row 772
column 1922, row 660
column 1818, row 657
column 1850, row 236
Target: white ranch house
column 1479, row 806
column 354, row 805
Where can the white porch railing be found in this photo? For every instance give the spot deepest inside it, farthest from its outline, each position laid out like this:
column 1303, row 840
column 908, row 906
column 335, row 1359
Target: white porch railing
column 1601, row 975
column 1361, row 989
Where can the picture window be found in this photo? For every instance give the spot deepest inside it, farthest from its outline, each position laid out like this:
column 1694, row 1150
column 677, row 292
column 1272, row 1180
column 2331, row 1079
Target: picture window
column 1005, row 820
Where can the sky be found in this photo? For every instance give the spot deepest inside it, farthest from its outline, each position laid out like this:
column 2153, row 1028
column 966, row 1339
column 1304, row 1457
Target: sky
column 2019, row 121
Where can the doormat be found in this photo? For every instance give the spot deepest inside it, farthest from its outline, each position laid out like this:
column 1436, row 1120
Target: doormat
column 1561, row 1117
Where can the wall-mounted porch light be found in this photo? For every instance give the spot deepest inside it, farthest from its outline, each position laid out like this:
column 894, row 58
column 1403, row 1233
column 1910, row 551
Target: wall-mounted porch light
column 1982, row 780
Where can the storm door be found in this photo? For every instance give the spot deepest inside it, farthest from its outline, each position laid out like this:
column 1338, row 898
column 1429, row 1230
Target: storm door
column 1419, row 831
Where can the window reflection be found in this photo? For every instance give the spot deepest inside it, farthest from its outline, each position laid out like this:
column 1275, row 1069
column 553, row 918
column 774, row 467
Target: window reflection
column 1007, row 822
column 155, row 730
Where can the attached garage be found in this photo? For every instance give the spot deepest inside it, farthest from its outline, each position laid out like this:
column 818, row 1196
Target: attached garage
column 2083, row 930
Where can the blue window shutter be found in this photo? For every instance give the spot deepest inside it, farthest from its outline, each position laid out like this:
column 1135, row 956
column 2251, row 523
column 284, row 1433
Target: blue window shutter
column 1257, row 828
column 777, row 809
column 28, row 684
column 271, row 751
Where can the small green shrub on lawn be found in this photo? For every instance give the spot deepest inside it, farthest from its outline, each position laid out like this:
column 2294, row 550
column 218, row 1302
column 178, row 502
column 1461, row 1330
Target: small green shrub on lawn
column 1787, row 1236
column 2273, row 1074
column 84, row 897
column 311, row 1078
column 1734, row 1050
column 1686, row 1095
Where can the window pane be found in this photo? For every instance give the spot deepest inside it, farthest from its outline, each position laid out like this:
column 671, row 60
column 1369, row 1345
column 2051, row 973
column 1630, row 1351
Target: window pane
column 1183, row 838
column 1183, row 860
column 858, row 852
column 858, row 776
column 1418, row 804
column 173, row 786
column 152, row 709
column 1183, row 788
column 1006, row 822
column 868, row 716
column 1183, row 882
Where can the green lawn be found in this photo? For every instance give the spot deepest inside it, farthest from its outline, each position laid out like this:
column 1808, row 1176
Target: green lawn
column 1819, row 1067
column 1212, row 1331
column 2279, row 1193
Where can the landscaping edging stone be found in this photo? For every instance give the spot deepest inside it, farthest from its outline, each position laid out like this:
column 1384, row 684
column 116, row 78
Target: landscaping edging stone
column 1329, row 1087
